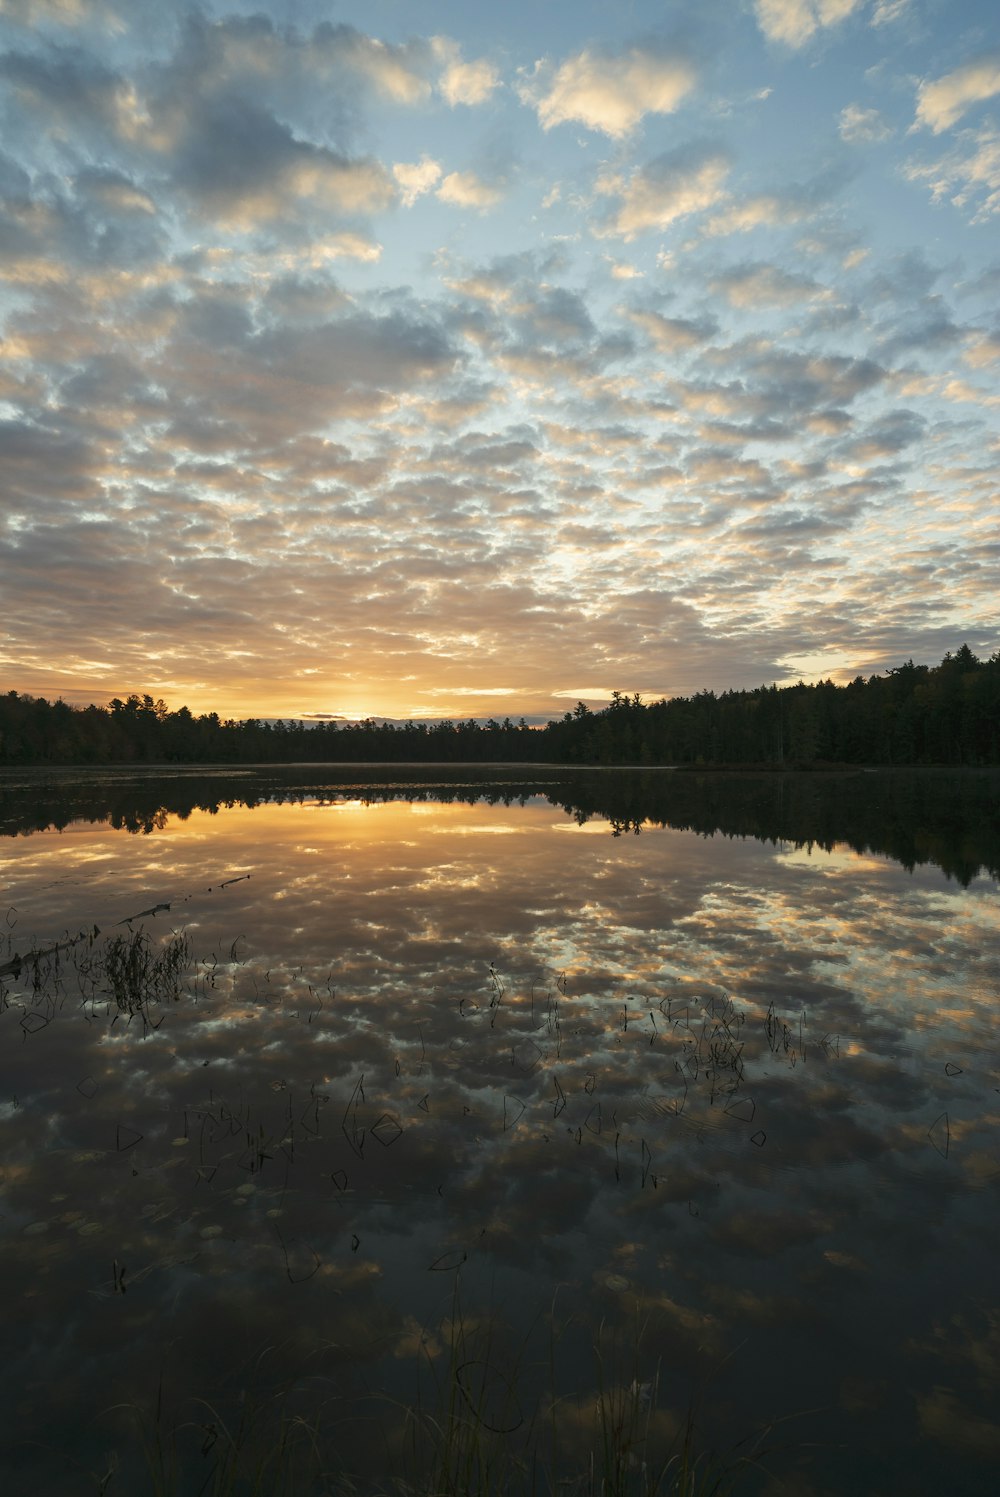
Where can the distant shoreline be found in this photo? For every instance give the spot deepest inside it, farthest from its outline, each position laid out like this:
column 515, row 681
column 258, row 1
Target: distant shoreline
column 915, row 716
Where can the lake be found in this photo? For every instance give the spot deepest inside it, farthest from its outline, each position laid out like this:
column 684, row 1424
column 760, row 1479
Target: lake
column 499, row 1129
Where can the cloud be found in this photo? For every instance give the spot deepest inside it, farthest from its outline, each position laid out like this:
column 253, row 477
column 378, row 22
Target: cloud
column 34, row 12
column 795, row 22
column 778, row 384
column 109, row 18
column 791, row 203
column 242, row 167
column 249, row 49
column 467, row 190
column 886, row 437
column 357, row 350
column 227, row 121
column 514, row 292
column 762, row 211
column 610, row 93
column 967, row 176
column 942, row 103
column 674, row 334
column 923, row 326
column 765, row 285
column 101, row 224
column 983, row 349
column 860, row 126
column 716, row 466
column 888, row 11
column 114, row 192
column 259, row 387
column 463, row 82
column 221, row 425
column 45, row 461
column 670, row 187
column 343, row 246
column 415, row 178
column 396, row 72
column 316, row 84
column 622, row 270
column 67, row 90
column 552, row 315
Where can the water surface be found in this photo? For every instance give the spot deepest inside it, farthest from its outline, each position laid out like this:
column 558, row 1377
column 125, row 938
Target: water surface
column 457, row 1083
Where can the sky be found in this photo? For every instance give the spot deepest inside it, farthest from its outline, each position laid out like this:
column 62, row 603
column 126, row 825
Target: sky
column 424, row 359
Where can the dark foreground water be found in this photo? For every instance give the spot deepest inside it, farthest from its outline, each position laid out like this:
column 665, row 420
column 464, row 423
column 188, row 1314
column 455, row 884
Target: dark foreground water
column 439, row 1130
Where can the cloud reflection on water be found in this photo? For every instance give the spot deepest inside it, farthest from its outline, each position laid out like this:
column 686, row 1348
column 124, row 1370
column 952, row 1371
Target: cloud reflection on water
column 693, row 1079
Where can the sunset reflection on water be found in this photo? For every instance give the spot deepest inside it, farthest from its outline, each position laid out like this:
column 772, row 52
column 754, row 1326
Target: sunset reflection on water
column 744, row 1093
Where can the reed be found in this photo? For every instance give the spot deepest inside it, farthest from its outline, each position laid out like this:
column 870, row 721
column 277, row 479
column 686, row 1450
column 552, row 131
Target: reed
column 471, row 1431
column 136, row 973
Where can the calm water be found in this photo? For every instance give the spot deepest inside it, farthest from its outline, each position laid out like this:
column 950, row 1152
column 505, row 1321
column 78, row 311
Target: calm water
column 501, row 1114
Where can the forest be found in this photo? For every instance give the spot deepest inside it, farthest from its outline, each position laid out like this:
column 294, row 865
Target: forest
column 913, row 715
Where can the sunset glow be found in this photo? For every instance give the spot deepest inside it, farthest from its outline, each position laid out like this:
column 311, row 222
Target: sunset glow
column 429, row 360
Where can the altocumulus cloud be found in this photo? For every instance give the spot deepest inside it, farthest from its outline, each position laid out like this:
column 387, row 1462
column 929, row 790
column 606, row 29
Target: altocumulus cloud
column 329, row 382
column 610, row 93
column 672, row 186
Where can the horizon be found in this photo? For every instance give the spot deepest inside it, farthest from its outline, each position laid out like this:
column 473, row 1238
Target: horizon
column 438, row 363
column 594, row 704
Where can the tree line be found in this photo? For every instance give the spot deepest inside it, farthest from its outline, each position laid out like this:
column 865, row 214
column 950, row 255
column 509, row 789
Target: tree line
column 912, row 715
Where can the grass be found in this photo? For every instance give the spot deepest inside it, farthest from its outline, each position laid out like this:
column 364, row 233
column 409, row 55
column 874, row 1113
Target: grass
column 136, row 973
column 486, row 1421
column 263, row 1450
column 129, row 969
